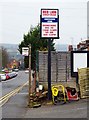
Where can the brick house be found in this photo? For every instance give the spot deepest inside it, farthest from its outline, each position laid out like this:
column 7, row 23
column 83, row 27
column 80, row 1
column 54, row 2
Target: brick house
column 84, row 45
column 13, row 64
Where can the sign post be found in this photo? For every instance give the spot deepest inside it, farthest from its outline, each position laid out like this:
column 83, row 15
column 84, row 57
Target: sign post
column 26, row 51
column 49, row 29
column 49, row 70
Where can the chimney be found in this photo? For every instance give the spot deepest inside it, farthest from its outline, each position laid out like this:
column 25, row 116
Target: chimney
column 70, row 48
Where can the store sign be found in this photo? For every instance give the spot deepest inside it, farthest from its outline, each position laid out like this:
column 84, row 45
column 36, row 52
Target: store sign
column 49, row 23
column 25, row 51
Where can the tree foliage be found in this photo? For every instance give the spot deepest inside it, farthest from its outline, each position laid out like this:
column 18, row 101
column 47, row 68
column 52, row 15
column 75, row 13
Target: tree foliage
column 33, row 38
column 4, row 57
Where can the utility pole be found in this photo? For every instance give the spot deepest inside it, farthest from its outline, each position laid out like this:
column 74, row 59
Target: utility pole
column 30, row 100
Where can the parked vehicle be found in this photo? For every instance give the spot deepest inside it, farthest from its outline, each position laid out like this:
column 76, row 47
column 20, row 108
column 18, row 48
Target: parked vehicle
column 6, row 76
column 12, row 74
column 2, row 77
column 16, row 70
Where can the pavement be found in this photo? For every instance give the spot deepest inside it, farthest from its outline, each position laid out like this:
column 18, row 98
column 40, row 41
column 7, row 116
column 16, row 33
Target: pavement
column 17, row 107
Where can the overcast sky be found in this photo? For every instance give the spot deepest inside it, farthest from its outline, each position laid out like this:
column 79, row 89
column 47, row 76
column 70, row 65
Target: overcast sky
column 16, row 17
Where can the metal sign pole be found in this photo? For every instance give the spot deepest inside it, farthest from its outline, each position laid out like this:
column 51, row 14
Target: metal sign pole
column 49, row 70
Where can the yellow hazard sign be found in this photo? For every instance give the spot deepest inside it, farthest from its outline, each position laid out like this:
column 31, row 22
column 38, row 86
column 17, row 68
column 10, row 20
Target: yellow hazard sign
column 54, row 91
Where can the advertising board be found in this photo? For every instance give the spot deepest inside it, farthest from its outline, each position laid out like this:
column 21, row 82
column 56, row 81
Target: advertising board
column 79, row 59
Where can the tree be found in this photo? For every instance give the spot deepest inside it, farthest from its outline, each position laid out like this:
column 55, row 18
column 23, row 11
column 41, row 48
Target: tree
column 33, row 38
column 4, row 57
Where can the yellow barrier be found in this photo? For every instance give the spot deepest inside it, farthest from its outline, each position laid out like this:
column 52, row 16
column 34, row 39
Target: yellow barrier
column 55, row 93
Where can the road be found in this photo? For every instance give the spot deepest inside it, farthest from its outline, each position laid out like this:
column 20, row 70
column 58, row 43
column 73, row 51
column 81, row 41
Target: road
column 13, row 83
column 76, row 109
column 17, row 106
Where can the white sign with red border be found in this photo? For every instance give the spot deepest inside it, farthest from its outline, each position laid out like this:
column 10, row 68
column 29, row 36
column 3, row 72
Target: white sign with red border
column 49, row 23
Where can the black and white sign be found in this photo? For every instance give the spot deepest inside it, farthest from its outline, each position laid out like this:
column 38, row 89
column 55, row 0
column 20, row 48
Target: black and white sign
column 49, row 23
column 25, row 51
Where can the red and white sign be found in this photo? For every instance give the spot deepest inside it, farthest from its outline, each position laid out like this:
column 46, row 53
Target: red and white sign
column 49, row 23
column 49, row 13
column 49, row 30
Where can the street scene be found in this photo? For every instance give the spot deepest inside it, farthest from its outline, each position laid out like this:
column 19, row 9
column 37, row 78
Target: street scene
column 17, row 105
column 44, row 60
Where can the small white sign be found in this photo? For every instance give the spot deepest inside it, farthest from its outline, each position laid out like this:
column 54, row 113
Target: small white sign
column 25, row 51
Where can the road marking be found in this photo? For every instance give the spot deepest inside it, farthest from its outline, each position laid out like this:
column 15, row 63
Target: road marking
column 6, row 97
column 24, row 93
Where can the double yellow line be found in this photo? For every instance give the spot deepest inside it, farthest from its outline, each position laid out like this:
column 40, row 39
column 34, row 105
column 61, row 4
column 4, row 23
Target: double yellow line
column 6, row 97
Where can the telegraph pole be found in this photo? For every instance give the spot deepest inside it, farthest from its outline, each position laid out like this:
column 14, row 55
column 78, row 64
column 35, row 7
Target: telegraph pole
column 30, row 101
